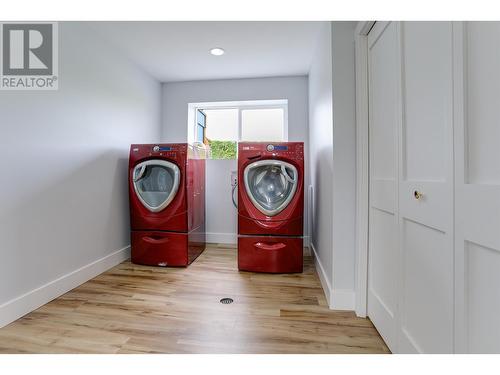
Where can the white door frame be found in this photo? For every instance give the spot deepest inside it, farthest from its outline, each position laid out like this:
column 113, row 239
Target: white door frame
column 362, row 164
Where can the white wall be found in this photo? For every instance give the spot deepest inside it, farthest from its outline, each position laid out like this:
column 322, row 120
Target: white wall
column 64, row 203
column 321, row 157
column 221, row 216
column 332, row 158
column 344, row 163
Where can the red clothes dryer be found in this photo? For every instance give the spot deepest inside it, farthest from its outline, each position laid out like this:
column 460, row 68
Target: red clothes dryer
column 167, row 203
column 270, row 206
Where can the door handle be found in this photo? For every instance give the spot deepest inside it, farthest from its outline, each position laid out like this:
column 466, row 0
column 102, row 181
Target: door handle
column 417, row 194
column 156, row 240
column 267, row 246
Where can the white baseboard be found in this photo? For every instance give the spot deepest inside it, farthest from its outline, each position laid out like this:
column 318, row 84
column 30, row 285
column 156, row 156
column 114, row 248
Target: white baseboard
column 343, row 299
column 307, row 241
column 225, row 238
column 338, row 299
column 32, row 300
column 325, row 283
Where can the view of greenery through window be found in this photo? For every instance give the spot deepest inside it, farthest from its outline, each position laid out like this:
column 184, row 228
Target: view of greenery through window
column 222, row 149
column 221, row 132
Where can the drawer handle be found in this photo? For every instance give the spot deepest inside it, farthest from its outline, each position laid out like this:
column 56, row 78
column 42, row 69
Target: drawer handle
column 417, row 194
column 156, row 240
column 266, row 246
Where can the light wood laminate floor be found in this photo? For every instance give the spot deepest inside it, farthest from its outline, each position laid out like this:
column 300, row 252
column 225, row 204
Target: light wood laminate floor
column 139, row 309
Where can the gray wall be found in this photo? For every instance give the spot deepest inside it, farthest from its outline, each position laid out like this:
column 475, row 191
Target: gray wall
column 64, row 201
column 221, row 215
column 321, row 156
column 344, row 162
column 333, row 159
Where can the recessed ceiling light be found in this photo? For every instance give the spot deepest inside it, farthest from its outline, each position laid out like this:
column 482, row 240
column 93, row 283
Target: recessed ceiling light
column 217, row 51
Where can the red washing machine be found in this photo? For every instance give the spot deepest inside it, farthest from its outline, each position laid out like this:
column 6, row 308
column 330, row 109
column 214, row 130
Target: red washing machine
column 270, row 206
column 167, row 203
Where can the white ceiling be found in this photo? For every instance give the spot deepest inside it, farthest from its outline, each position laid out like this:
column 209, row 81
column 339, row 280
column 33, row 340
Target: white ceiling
column 178, row 51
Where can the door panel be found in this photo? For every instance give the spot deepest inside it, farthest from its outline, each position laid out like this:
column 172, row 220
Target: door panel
column 427, row 292
column 426, row 189
column 384, row 86
column 430, row 209
column 384, row 116
column 483, row 110
column 384, row 244
column 483, row 303
column 477, row 186
column 426, row 100
column 382, row 195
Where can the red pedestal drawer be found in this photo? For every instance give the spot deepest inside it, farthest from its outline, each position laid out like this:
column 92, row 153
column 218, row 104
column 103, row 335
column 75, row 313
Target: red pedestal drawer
column 270, row 254
column 159, row 248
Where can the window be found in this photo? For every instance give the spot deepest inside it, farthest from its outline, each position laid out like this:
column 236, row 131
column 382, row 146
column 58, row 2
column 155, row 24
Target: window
column 262, row 124
column 222, row 132
column 201, row 119
column 221, row 125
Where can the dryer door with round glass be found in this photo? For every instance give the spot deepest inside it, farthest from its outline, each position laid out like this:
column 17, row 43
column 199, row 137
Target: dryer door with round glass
column 155, row 183
column 271, row 185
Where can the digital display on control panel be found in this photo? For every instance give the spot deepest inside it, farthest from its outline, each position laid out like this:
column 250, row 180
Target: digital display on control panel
column 280, row 148
column 165, row 149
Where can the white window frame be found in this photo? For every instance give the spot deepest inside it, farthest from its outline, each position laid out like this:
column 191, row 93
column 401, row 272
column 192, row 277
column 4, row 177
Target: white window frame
column 240, row 106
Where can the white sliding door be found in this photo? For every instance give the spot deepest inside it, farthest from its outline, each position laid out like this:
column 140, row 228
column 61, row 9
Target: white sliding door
column 477, row 184
column 384, row 76
column 426, row 189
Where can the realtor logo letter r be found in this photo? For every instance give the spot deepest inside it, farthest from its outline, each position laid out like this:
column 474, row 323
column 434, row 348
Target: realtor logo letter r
column 27, row 49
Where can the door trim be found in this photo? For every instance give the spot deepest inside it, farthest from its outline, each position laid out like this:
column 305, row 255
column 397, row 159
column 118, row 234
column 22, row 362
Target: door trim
column 362, row 165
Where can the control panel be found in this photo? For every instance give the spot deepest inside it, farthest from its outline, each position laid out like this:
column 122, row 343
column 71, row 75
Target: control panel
column 162, row 148
column 276, row 148
column 285, row 149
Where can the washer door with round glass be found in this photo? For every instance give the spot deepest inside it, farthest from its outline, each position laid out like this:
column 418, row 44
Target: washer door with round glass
column 271, row 185
column 156, row 182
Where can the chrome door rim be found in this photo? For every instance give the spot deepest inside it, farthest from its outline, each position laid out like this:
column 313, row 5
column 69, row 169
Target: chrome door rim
column 286, row 202
column 175, row 187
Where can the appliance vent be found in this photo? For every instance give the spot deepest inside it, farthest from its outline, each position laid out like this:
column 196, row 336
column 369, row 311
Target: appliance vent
column 226, row 301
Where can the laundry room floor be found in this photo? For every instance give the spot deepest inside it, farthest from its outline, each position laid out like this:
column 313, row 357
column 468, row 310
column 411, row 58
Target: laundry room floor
column 139, row 309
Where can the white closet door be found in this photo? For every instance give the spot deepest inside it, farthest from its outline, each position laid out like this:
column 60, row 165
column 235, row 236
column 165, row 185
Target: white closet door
column 384, row 76
column 477, row 184
column 426, row 189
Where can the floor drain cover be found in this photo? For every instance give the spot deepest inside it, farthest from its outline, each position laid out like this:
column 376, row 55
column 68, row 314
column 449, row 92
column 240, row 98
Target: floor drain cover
column 226, row 301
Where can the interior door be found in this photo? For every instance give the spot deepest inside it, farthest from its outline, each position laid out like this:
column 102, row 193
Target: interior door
column 155, row 183
column 270, row 185
column 477, row 184
column 384, row 77
column 434, row 219
column 426, row 189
